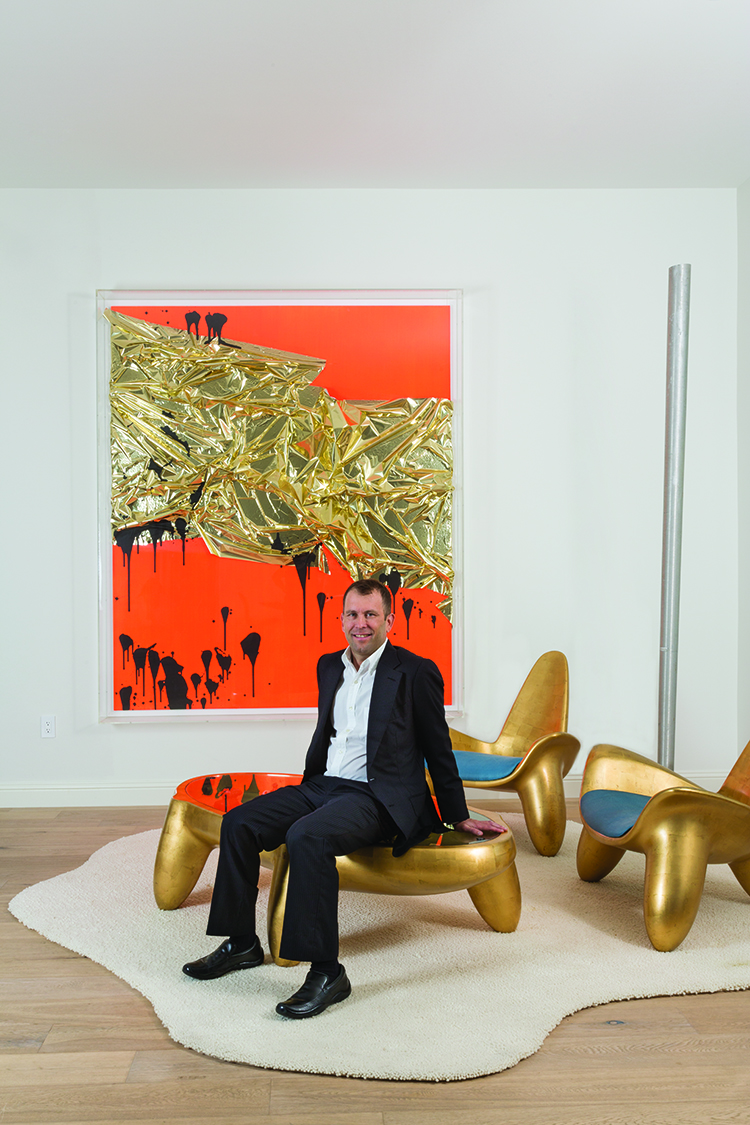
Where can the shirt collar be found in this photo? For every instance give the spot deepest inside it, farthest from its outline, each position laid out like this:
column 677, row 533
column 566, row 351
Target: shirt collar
column 368, row 665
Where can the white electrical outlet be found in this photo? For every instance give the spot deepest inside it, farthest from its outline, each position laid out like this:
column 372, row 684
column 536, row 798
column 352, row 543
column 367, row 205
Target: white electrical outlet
column 48, row 726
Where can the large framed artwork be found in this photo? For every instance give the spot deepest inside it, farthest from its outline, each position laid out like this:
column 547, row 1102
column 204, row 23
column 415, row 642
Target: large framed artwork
column 259, row 451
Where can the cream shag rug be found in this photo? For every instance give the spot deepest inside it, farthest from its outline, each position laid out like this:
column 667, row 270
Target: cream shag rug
column 436, row 994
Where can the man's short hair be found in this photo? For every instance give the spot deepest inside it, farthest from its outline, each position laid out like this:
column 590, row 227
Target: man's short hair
column 367, row 586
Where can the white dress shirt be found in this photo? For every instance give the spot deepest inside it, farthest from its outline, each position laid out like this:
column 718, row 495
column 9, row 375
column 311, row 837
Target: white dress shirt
column 347, row 753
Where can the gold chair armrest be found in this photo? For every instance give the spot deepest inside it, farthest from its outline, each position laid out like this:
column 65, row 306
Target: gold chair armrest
column 561, row 747
column 612, row 767
column 721, row 824
column 504, row 746
column 461, row 741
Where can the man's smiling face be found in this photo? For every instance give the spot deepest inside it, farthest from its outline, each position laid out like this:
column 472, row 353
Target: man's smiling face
column 365, row 624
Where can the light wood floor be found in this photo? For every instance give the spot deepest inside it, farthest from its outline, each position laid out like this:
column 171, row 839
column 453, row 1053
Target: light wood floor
column 79, row 1045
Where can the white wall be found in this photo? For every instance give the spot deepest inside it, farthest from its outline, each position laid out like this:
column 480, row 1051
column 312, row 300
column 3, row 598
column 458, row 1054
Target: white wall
column 565, row 327
column 743, row 427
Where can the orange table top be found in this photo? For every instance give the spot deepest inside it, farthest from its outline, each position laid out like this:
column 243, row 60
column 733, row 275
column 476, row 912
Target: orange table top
column 220, row 792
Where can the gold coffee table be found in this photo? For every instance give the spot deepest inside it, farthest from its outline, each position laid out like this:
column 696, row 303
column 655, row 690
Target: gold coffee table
column 451, row 861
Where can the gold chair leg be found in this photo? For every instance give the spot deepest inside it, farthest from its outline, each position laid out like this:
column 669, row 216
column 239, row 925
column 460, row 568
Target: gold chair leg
column 594, row 860
column 675, row 873
column 498, row 900
column 277, row 904
column 543, row 802
column 741, row 872
column 187, row 839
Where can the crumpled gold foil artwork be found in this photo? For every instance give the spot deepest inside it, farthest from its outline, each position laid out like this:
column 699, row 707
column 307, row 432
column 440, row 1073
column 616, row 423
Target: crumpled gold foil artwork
column 233, row 439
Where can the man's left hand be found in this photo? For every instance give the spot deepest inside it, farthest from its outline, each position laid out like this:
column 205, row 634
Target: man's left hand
column 479, row 827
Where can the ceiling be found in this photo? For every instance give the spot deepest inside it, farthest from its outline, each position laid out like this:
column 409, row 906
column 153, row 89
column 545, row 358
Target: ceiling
column 375, row 93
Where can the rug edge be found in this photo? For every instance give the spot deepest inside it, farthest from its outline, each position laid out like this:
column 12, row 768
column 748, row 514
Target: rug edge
column 15, row 908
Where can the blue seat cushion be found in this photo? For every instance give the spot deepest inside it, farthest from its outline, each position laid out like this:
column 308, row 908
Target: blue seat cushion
column 483, row 767
column 610, row 812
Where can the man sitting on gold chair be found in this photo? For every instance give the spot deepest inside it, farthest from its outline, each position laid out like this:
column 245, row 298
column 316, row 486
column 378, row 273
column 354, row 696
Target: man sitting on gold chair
column 380, row 718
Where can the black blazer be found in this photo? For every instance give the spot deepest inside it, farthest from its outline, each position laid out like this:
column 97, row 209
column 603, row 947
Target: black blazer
column 406, row 728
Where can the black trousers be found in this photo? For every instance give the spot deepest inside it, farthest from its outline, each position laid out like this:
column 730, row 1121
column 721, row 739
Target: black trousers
column 318, row 820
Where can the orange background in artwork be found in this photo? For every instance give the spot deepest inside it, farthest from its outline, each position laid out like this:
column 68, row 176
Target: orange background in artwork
column 372, row 352
column 178, row 609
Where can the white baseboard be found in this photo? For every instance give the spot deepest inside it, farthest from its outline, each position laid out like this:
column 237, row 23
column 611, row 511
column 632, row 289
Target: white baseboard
column 117, row 795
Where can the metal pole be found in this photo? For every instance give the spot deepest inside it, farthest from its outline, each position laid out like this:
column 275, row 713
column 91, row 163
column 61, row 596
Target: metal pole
column 674, row 472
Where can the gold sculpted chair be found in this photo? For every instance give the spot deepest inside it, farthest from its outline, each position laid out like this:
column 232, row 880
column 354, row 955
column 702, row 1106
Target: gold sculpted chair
column 629, row 803
column 531, row 755
column 452, row 861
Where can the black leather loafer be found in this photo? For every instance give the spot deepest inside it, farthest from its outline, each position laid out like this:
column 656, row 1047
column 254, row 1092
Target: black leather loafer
column 223, row 960
column 317, row 993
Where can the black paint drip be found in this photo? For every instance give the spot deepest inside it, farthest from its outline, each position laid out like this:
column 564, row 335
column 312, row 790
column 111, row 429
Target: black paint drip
column 156, row 468
column 175, row 684
column 211, row 688
column 125, row 694
column 224, row 616
column 393, row 581
column 207, row 788
column 215, row 322
column 195, row 496
column 125, row 538
column 206, row 657
column 321, row 600
column 154, row 660
column 250, row 647
column 225, row 663
column 192, row 320
column 157, row 529
column 127, row 644
column 302, row 564
column 139, row 659
column 407, row 605
column 195, row 680
column 203, row 702
column 433, row 619
column 181, row 529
